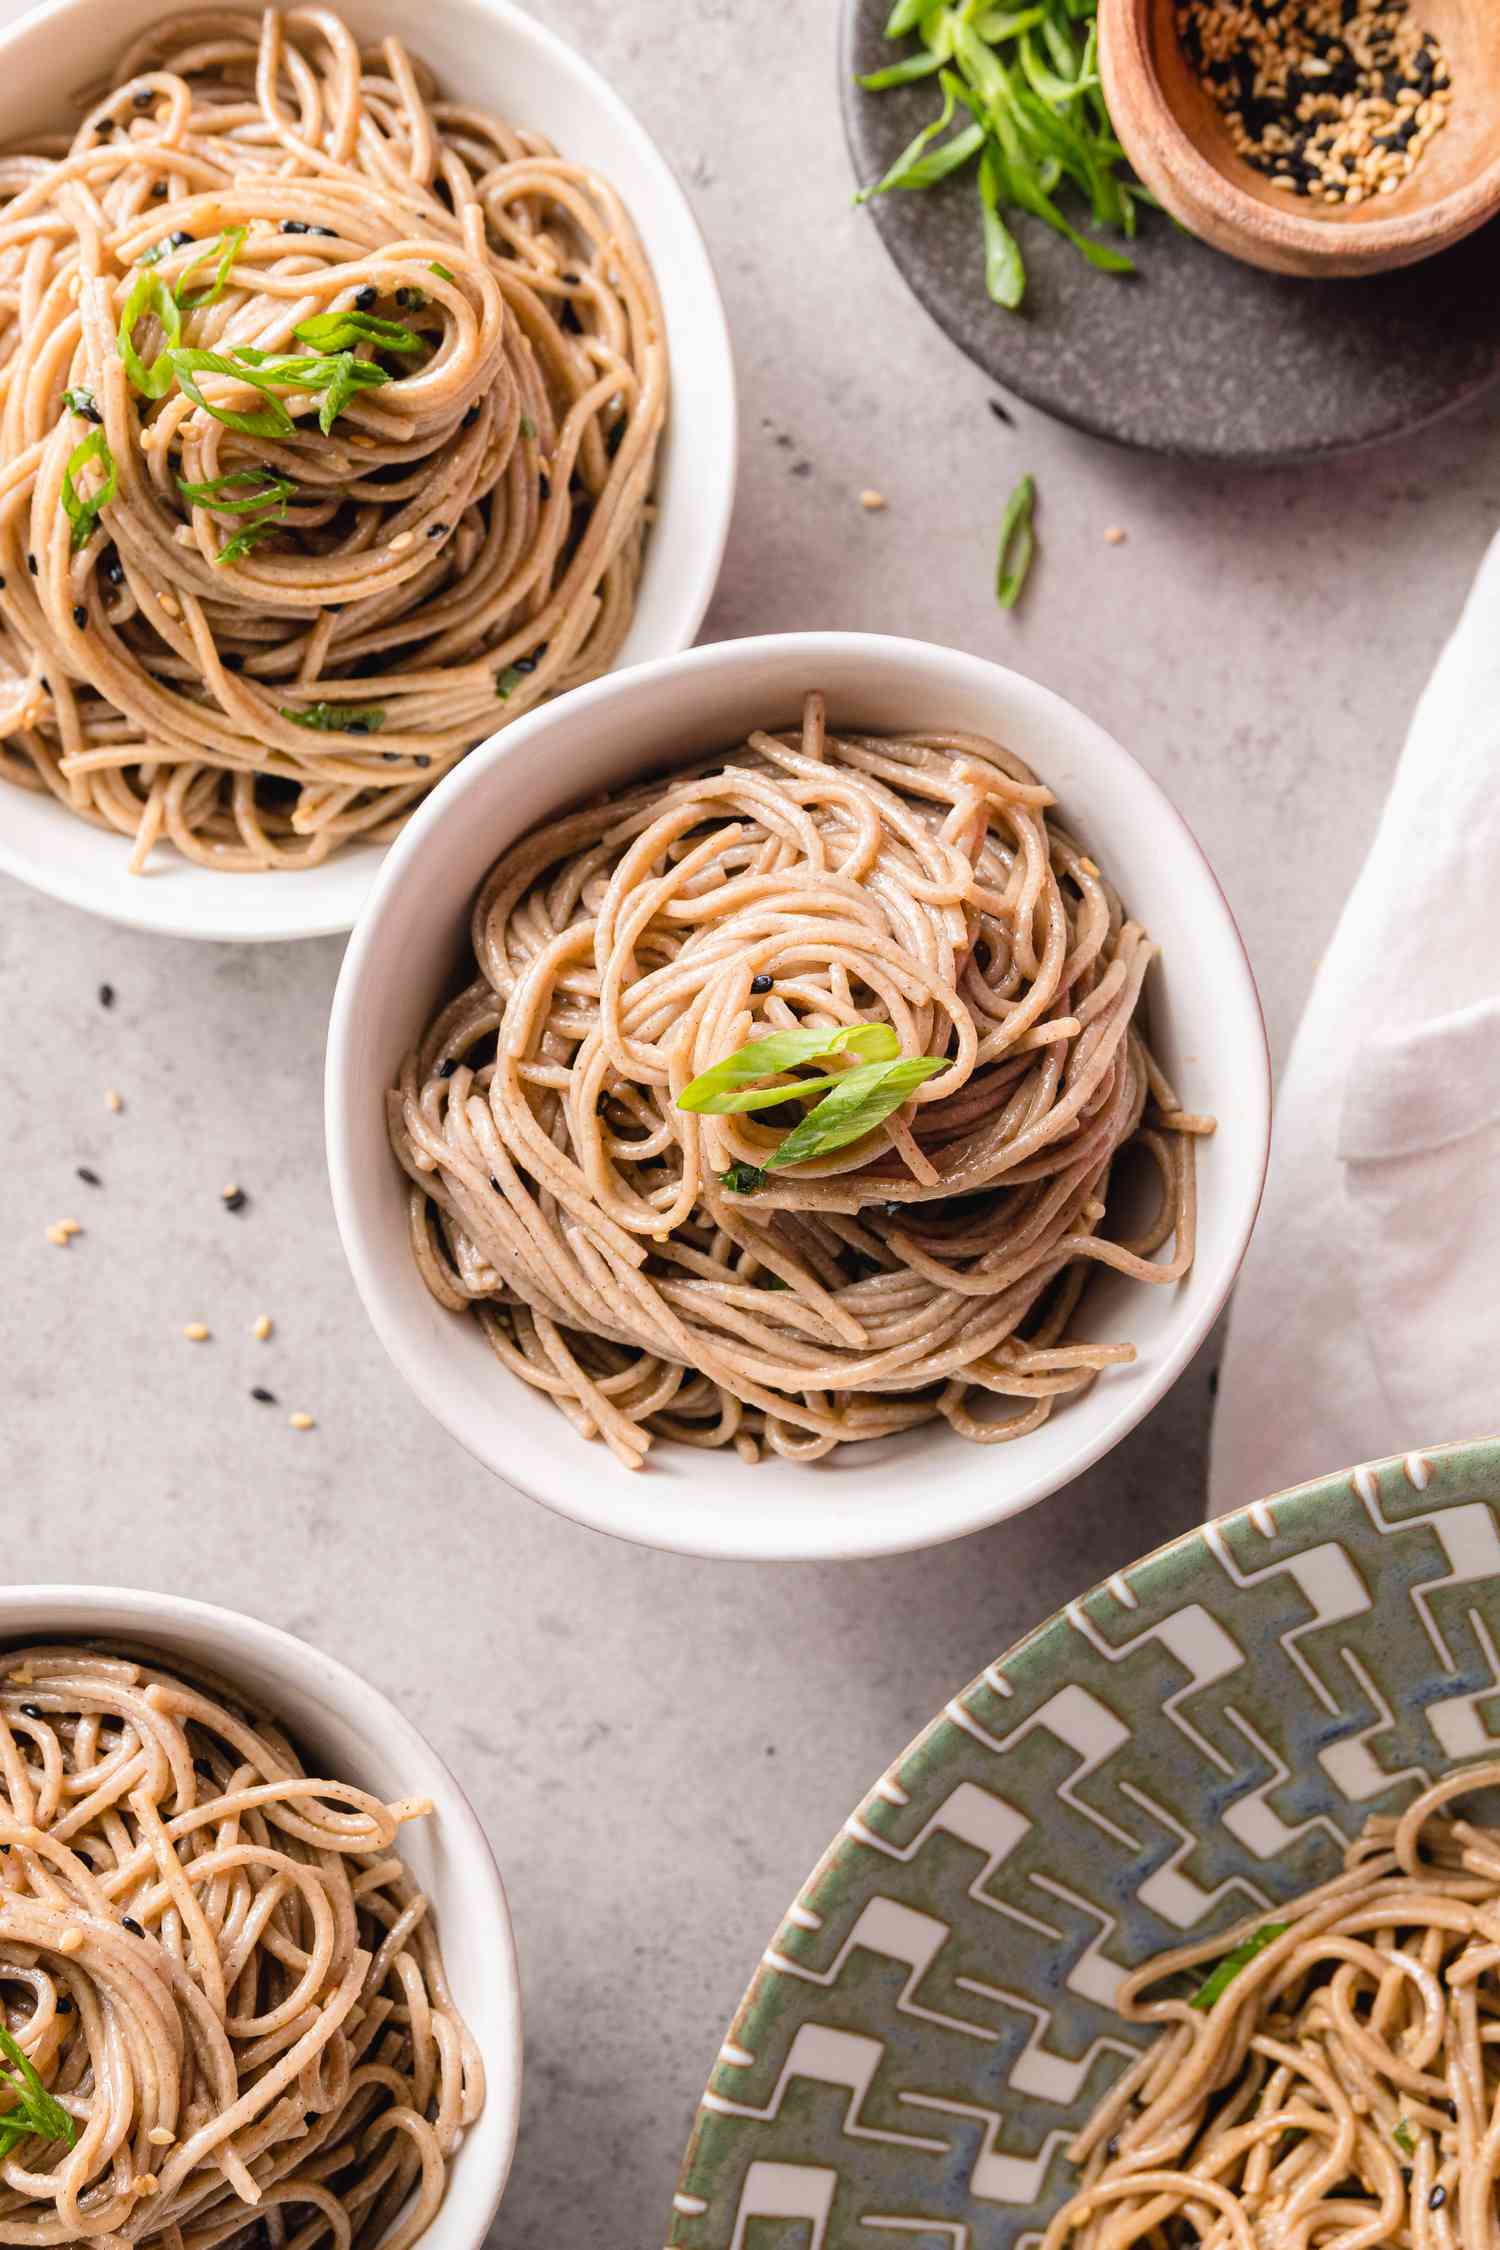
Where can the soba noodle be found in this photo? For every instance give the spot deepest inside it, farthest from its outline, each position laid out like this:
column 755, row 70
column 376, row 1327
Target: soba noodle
column 219, row 1967
column 291, row 660
column 935, row 1264
column 1343, row 2088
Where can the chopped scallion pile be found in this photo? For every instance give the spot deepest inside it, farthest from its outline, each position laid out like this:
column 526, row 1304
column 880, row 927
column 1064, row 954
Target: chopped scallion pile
column 1022, row 86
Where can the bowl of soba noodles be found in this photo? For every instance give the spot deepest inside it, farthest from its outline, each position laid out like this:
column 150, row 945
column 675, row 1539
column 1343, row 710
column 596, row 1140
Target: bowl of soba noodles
column 804, row 1098
column 259, row 1980
column 367, row 387
column 1180, row 1927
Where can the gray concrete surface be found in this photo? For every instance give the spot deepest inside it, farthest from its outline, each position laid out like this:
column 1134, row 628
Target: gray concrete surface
column 662, row 1747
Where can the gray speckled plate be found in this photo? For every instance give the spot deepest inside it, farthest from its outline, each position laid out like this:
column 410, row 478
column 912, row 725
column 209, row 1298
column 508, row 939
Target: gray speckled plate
column 1197, row 355
column 1189, row 1743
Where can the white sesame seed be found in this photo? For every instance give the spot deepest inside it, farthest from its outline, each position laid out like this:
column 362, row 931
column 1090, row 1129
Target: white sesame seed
column 262, row 1328
column 112, row 1100
column 196, row 1332
column 1116, row 535
column 302, row 1421
column 872, row 500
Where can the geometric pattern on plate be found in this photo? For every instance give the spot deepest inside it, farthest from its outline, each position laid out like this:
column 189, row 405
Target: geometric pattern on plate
column 1192, row 1742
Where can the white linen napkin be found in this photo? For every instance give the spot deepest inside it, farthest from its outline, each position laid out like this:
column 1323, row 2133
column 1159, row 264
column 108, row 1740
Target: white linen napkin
column 1367, row 1318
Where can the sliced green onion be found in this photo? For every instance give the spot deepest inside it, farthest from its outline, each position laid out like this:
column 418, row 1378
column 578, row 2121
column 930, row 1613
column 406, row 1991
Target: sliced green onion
column 1222, row 1976
column 229, row 245
column 442, row 272
column 338, row 331
column 862, row 1099
column 1017, row 544
column 743, row 1179
column 508, row 681
column 36, row 2110
column 265, row 490
column 83, row 513
column 270, row 420
column 149, row 294
column 249, row 535
column 1401, row 2135
column 336, row 718
column 713, row 1091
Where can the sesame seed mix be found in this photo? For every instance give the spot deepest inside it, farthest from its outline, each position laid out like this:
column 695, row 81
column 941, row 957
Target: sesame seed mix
column 1331, row 99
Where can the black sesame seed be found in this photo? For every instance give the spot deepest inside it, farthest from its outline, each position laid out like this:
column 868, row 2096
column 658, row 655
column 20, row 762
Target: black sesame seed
column 31, row 1710
column 262, row 1396
column 436, row 530
column 80, row 616
column 410, row 299
column 1002, row 413
column 760, row 984
column 295, row 226
column 422, row 759
column 1437, row 2199
column 330, row 231
column 88, row 1175
column 235, row 1199
column 106, row 995
column 64, row 2004
column 159, row 191
column 1112, row 2145
column 367, row 297
column 526, row 663
column 179, row 240
column 31, row 564
column 114, row 571
column 447, row 1068
column 129, row 1922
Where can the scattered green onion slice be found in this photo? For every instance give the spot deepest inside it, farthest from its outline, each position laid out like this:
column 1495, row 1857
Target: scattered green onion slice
column 339, row 331
column 249, row 535
column 1017, row 544
column 743, row 1179
column 508, row 681
column 36, row 2110
column 265, row 490
column 270, row 420
column 1401, row 2135
column 1223, row 1974
column 862, row 1099
column 714, row 1090
column 83, row 512
column 441, row 271
column 528, row 427
column 149, row 294
column 336, row 718
column 229, row 245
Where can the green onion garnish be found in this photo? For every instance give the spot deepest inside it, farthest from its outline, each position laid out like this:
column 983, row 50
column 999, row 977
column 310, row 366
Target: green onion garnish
column 743, row 1179
column 1223, row 1974
column 150, row 295
column 270, row 420
column 528, row 427
column 83, row 403
column 508, row 681
column 853, row 1102
column 83, row 513
column 441, row 271
column 267, row 490
column 249, row 535
column 337, row 718
column 36, row 2110
column 1026, row 80
column 1401, row 2135
column 232, row 241
column 339, row 331
column 1017, row 544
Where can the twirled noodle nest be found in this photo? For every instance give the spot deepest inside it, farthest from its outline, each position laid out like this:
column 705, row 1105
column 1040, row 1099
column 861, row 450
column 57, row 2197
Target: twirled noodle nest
column 931, row 1268
column 1337, row 2084
column 220, row 1968
column 463, row 541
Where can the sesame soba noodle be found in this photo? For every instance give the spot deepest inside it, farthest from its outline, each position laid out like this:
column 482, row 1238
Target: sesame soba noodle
column 436, row 518
column 220, row 1969
column 1337, row 2084
column 647, row 1266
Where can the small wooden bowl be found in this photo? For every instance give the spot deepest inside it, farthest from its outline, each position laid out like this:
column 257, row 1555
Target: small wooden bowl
column 1176, row 139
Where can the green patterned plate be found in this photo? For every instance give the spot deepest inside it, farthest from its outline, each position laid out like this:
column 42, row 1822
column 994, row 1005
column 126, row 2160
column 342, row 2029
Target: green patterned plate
column 1191, row 1742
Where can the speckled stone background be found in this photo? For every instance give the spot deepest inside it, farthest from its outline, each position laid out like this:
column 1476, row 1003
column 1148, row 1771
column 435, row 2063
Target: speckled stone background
column 1195, row 354
column 648, row 1739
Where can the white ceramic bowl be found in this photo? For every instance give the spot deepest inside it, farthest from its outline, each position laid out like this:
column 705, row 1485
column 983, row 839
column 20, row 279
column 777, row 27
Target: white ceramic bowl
column 353, row 1734
column 502, row 59
column 412, row 939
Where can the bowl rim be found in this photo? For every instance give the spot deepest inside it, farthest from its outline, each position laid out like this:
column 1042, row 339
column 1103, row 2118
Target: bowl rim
column 705, row 499
column 652, row 1521
column 38, row 1608
column 1358, row 245
column 1294, row 1503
